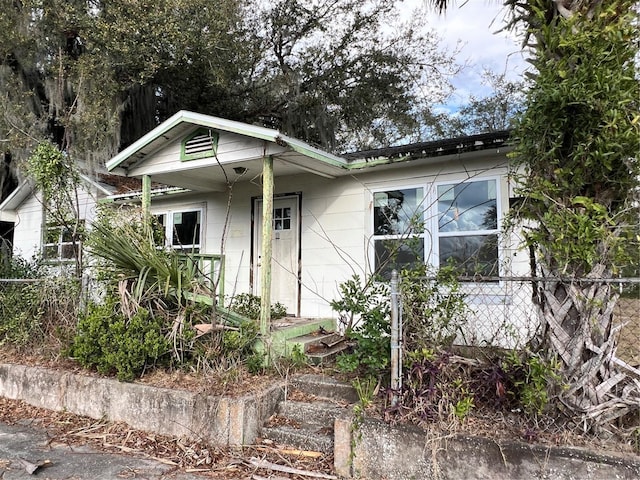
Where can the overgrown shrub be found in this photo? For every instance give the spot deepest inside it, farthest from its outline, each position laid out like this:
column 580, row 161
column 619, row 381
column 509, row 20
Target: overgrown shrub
column 111, row 343
column 433, row 306
column 248, row 305
column 434, row 312
column 39, row 313
column 439, row 385
column 230, row 348
column 435, row 388
column 532, row 378
column 364, row 308
column 20, row 314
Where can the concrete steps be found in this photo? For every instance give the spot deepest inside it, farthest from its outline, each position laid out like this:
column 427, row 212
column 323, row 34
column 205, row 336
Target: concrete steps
column 306, row 418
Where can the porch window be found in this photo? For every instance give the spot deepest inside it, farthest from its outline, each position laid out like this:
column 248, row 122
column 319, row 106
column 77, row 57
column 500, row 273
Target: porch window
column 468, row 227
column 59, row 244
column 180, row 230
column 398, row 224
column 200, row 144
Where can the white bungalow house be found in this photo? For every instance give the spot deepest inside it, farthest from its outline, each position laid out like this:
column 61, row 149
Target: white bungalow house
column 320, row 217
column 331, row 216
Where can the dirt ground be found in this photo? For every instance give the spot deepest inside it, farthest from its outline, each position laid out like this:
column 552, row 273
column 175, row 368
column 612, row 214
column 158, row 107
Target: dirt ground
column 627, row 312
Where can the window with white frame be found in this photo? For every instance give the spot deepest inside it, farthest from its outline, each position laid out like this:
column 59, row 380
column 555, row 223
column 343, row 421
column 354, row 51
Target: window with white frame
column 180, row 230
column 456, row 224
column 398, row 229
column 60, row 244
column 468, row 227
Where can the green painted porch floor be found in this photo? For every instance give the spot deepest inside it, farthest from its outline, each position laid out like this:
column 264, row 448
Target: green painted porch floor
column 290, row 333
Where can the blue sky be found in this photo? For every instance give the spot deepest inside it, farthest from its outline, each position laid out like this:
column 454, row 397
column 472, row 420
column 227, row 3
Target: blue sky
column 473, row 23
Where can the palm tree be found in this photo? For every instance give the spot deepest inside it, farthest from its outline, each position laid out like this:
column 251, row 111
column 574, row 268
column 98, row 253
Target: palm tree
column 579, row 172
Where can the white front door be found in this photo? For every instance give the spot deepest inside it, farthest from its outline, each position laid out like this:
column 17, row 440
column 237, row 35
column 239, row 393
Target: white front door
column 285, row 267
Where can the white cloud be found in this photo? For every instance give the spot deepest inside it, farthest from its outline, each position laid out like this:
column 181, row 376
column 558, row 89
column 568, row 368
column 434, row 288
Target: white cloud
column 474, row 24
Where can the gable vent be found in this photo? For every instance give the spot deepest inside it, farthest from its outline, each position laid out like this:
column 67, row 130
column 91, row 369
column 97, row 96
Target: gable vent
column 198, row 144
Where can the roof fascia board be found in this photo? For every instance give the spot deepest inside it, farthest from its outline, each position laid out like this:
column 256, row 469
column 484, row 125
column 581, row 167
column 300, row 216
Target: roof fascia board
column 144, row 141
column 8, row 216
column 312, row 152
column 376, row 162
column 184, row 116
column 16, row 197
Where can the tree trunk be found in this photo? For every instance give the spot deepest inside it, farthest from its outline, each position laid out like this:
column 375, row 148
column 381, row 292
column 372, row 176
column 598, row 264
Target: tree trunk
column 578, row 326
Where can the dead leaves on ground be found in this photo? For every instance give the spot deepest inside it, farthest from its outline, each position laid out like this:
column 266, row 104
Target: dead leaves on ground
column 188, row 456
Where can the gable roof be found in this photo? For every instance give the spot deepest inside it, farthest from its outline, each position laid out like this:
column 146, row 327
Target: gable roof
column 27, row 188
column 184, row 121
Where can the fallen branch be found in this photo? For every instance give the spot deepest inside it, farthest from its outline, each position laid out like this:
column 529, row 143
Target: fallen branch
column 298, row 453
column 256, row 462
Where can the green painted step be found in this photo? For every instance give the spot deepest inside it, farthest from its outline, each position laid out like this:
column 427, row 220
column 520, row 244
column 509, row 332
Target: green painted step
column 284, row 331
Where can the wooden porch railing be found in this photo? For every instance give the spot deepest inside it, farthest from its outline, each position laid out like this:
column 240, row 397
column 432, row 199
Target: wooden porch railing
column 210, row 267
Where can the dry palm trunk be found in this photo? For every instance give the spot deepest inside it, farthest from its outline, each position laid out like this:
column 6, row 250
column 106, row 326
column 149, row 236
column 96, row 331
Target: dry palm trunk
column 577, row 319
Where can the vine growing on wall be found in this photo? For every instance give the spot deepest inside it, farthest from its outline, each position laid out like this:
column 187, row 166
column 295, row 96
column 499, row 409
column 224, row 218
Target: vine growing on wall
column 57, row 179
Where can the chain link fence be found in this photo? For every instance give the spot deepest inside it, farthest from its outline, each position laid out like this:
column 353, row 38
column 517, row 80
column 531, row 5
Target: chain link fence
column 501, row 312
column 39, row 312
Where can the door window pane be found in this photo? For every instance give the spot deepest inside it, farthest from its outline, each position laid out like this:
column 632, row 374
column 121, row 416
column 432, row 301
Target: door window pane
column 282, row 218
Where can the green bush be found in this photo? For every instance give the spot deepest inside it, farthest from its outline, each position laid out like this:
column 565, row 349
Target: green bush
column 434, row 308
column 533, row 377
column 240, row 342
column 110, row 342
column 39, row 313
column 366, row 310
column 248, row 305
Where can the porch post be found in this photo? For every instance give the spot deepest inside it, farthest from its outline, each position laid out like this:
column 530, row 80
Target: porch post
column 146, row 198
column 267, row 233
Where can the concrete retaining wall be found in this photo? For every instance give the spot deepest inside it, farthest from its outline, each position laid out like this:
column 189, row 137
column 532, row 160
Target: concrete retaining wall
column 219, row 420
column 375, row 451
column 404, row 453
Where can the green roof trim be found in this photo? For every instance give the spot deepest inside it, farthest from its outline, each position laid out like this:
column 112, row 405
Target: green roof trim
column 132, row 154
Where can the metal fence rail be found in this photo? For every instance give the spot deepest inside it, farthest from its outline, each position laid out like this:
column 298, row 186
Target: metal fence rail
column 501, row 311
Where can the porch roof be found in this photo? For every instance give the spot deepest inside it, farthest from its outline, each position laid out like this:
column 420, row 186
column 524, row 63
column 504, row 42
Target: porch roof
column 292, row 155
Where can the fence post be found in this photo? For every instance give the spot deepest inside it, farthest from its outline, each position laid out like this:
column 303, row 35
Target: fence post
column 396, row 325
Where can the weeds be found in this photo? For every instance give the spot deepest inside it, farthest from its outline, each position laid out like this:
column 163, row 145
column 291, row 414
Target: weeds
column 366, row 315
column 248, row 305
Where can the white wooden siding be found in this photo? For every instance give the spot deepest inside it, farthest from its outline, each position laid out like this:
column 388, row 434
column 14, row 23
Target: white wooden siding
column 28, row 230
column 27, row 234
column 231, row 148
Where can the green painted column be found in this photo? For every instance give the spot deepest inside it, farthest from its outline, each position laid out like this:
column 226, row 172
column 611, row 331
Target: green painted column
column 146, row 197
column 267, row 233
